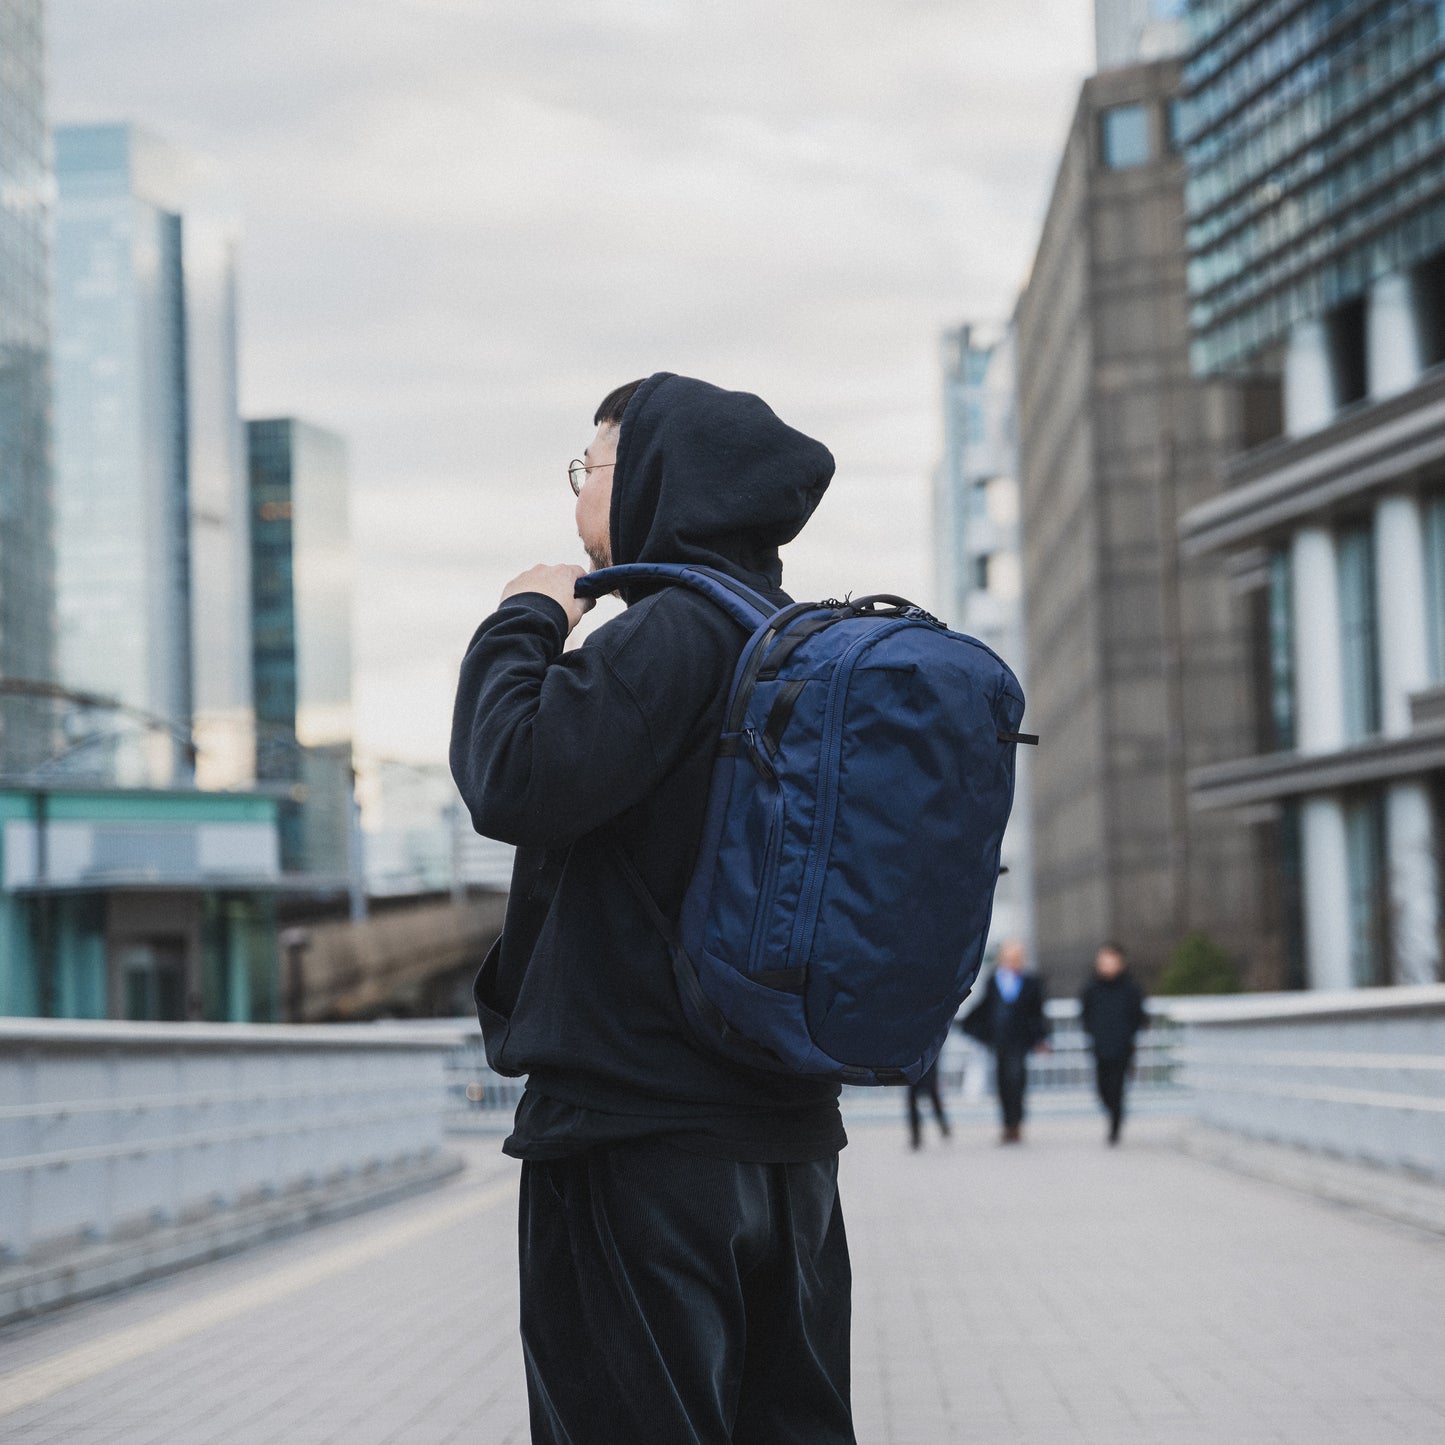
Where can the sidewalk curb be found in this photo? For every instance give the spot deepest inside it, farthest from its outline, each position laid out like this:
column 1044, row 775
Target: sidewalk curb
column 1385, row 1193
column 27, row 1290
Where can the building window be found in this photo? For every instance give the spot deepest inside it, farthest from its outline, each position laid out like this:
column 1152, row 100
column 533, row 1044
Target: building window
column 1003, row 501
column 1005, row 576
column 1175, row 124
column 1124, row 137
column 1369, row 907
column 1281, row 651
column 1291, row 881
column 1435, row 584
column 980, row 572
column 1359, row 641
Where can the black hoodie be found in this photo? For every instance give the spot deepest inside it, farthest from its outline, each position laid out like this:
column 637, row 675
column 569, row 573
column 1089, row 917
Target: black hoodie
column 571, row 755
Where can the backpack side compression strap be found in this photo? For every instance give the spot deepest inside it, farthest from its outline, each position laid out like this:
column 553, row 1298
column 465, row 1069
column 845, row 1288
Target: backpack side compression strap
column 747, row 608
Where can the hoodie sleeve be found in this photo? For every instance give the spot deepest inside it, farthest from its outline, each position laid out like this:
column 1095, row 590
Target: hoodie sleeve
column 546, row 745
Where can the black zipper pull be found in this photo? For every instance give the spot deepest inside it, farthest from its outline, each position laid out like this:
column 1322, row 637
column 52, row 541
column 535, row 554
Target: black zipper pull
column 764, row 767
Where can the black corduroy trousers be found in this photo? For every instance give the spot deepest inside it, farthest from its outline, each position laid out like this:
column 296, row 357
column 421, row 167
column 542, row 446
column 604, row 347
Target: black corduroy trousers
column 671, row 1298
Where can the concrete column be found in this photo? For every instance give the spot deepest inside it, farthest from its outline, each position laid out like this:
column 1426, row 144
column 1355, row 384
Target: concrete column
column 1326, row 889
column 1402, row 609
column 1414, row 882
column 1318, row 664
column 1392, row 336
column 1309, row 389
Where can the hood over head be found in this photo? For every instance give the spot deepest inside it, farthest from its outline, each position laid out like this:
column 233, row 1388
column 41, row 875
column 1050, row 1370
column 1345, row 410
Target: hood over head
column 711, row 477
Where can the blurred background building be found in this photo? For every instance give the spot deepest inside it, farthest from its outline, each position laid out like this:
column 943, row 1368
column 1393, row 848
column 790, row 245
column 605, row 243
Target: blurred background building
column 27, row 557
column 418, row 836
column 1139, row 665
column 1128, row 32
column 977, row 564
column 141, row 904
column 301, row 638
column 122, row 469
column 1316, row 210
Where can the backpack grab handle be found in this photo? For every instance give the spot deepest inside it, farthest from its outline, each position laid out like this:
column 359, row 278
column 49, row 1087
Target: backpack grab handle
column 869, row 604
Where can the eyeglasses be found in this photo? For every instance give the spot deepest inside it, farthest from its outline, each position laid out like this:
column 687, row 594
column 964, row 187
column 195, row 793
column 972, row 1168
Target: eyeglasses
column 577, row 471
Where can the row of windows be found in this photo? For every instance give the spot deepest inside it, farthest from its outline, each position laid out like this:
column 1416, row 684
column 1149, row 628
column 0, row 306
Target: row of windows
column 1316, row 138
column 1359, row 628
column 1328, row 33
column 1285, row 220
column 1325, row 165
column 1313, row 119
column 1402, row 224
column 1278, row 193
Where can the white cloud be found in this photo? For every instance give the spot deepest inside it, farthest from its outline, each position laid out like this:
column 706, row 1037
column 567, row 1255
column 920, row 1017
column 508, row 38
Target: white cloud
column 465, row 220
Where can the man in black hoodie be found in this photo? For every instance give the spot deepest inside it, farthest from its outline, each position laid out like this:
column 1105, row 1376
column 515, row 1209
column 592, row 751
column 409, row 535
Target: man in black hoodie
column 1112, row 1011
column 684, row 1269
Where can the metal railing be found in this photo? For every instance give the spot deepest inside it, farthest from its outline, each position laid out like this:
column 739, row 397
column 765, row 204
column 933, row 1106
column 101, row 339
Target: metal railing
column 1360, row 1075
column 109, row 1128
column 481, row 1100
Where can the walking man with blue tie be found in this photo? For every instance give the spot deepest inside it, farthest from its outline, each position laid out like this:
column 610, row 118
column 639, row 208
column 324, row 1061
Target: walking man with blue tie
column 1010, row 1020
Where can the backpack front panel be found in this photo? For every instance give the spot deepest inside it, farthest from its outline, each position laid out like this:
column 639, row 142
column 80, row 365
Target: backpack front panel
column 923, row 790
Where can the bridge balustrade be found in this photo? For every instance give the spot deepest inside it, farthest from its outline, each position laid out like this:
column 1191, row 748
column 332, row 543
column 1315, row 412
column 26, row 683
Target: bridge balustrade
column 109, row 1128
column 1359, row 1074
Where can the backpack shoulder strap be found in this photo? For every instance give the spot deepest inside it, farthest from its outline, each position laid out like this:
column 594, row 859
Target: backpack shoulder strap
column 747, row 608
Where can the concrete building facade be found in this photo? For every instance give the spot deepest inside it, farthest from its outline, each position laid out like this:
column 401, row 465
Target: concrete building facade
column 27, row 543
column 977, row 562
column 1317, row 253
column 1139, row 665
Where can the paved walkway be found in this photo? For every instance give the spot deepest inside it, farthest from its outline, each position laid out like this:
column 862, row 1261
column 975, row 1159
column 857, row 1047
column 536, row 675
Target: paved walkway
column 1057, row 1292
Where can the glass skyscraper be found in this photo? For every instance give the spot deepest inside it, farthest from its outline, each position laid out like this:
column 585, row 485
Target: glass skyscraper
column 1314, row 134
column 27, row 598
column 122, row 470
column 154, row 588
column 301, row 635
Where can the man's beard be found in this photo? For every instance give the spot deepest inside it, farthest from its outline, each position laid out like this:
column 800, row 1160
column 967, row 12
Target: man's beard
column 600, row 557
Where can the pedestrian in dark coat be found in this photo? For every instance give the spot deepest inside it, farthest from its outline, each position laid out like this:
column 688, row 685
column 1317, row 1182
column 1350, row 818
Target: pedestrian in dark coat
column 1112, row 1010
column 684, row 1267
column 926, row 1087
column 1010, row 1020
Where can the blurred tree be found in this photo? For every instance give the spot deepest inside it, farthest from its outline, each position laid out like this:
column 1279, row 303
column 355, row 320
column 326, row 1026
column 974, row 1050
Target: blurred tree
column 1198, row 965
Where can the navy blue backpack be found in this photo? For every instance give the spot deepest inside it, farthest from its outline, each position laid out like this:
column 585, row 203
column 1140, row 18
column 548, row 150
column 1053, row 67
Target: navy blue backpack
column 839, row 903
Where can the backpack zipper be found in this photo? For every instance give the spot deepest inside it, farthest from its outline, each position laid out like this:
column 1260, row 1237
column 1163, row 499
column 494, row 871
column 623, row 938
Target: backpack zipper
column 810, row 895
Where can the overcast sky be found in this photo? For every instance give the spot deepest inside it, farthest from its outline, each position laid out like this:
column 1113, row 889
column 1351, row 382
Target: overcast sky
column 464, row 221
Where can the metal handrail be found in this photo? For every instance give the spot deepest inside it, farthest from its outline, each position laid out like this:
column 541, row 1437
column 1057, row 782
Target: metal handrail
column 170, row 1143
column 145, row 1103
column 1325, row 1094
column 1338, row 1059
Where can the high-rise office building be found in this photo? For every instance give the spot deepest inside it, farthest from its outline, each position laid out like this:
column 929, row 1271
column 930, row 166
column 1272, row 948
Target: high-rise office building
column 123, row 533
column 1315, row 139
column 1138, row 667
column 301, row 635
column 153, row 553
column 220, row 537
column 977, row 561
column 27, row 559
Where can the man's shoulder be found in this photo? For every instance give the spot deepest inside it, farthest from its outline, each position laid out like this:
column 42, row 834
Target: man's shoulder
column 672, row 619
